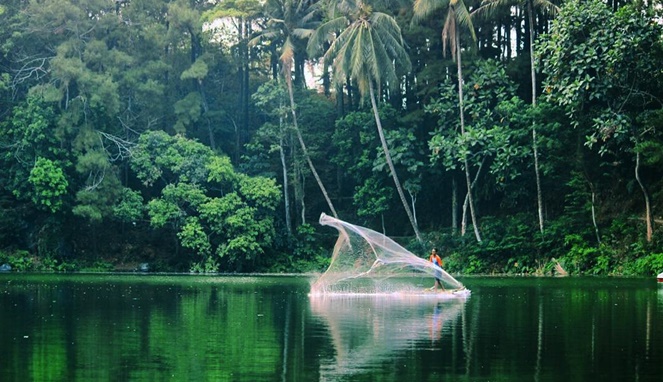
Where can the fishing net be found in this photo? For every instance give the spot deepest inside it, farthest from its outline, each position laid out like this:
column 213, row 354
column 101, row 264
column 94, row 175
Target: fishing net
column 367, row 262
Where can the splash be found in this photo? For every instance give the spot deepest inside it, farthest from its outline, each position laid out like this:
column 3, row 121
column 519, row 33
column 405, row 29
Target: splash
column 365, row 262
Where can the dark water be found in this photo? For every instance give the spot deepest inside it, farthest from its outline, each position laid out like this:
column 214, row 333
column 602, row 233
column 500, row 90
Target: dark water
column 193, row 328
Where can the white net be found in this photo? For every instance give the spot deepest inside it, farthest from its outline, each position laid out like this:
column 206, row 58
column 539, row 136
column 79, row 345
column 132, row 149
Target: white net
column 367, row 262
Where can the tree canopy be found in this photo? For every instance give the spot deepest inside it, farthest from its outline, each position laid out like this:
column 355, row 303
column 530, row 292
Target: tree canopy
column 209, row 136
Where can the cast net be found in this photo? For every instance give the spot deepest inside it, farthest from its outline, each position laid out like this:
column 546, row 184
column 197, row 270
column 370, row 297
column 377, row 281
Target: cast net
column 368, row 262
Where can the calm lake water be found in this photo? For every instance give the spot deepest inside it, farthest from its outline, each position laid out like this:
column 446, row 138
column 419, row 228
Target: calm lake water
column 267, row 328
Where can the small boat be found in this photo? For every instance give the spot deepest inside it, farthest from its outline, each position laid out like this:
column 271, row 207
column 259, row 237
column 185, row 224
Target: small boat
column 659, row 278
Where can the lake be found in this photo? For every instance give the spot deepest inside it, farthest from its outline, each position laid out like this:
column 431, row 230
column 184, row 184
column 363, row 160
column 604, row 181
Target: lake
column 132, row 327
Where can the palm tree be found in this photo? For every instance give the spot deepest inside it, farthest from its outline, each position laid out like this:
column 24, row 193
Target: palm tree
column 289, row 21
column 457, row 16
column 367, row 51
column 489, row 7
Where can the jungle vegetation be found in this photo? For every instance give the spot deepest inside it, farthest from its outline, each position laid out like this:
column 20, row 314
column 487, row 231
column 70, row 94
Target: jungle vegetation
column 517, row 136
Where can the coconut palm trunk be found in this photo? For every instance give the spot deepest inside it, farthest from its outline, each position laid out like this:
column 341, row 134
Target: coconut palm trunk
column 390, row 163
column 366, row 51
column 646, row 196
column 303, row 145
column 457, row 15
column 528, row 6
column 468, row 181
column 535, row 150
column 286, row 187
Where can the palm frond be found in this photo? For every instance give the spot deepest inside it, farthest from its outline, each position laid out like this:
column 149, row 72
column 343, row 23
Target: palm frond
column 546, row 6
column 489, row 7
column 390, row 37
column 367, row 51
column 384, row 70
column 449, row 34
column 303, row 33
column 324, row 33
column 354, row 57
column 424, row 8
column 287, row 51
column 266, row 35
column 463, row 17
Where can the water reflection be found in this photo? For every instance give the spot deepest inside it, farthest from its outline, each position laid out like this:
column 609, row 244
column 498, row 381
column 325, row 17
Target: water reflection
column 366, row 331
column 253, row 329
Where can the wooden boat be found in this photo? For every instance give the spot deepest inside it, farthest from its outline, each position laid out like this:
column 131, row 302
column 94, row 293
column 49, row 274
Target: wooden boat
column 659, row 278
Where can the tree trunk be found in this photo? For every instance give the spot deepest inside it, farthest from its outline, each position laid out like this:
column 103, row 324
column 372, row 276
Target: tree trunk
column 298, row 184
column 413, row 198
column 646, row 195
column 340, row 100
column 246, row 82
column 348, row 82
column 465, row 202
column 454, row 206
column 390, row 163
column 462, row 131
column 286, row 192
column 210, row 132
column 507, row 37
column 596, row 227
column 535, row 151
column 288, row 81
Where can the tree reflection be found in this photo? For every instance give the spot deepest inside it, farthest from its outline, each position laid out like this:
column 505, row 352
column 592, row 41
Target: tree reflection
column 368, row 330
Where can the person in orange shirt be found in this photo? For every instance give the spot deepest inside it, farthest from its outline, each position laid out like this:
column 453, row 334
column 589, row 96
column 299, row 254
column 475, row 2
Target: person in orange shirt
column 436, row 260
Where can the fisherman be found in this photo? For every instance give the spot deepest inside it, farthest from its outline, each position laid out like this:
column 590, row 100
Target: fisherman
column 437, row 261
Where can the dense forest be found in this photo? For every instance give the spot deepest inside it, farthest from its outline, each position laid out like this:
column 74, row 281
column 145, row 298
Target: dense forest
column 517, row 136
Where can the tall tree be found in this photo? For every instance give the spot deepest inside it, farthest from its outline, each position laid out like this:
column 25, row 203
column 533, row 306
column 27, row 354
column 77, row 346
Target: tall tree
column 457, row 16
column 270, row 98
column 241, row 15
column 490, row 7
column 290, row 21
column 367, row 50
column 233, row 227
column 603, row 67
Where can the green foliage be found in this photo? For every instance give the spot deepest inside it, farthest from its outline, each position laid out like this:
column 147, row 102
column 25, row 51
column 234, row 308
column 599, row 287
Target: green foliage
column 95, row 203
column 596, row 64
column 24, row 261
column 368, row 49
column 90, row 96
column 198, row 71
column 236, row 225
column 49, row 183
column 373, row 197
column 193, row 236
column 159, row 156
column 97, row 266
column 580, row 257
column 209, row 265
column 475, row 265
column 262, row 192
column 491, row 113
column 188, row 111
column 645, row 266
column 308, row 254
column 367, row 168
column 129, row 207
column 20, row 261
column 33, row 153
column 308, row 247
column 162, row 211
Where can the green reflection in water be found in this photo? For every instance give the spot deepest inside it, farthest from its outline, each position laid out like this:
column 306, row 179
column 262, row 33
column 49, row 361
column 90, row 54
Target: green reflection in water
column 267, row 328
column 93, row 328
